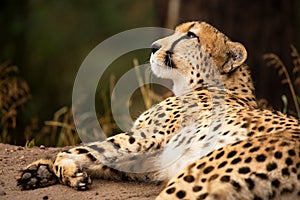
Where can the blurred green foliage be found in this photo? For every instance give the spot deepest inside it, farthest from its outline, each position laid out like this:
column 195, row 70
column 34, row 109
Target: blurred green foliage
column 48, row 40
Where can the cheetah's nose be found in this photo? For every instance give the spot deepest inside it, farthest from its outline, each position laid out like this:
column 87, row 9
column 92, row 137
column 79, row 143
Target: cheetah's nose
column 155, row 47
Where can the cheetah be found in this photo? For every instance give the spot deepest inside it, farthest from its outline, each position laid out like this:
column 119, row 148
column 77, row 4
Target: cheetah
column 261, row 167
column 210, row 140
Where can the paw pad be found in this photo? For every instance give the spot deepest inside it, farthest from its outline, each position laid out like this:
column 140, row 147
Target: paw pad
column 36, row 176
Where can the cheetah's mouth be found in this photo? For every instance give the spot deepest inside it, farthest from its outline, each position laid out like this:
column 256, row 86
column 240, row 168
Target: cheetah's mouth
column 168, row 60
column 166, row 64
column 160, row 69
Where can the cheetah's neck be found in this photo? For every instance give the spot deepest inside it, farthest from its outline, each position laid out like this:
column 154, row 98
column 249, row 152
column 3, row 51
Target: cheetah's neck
column 238, row 83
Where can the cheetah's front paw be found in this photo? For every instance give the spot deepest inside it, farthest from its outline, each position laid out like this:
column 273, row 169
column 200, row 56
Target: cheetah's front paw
column 80, row 181
column 36, row 175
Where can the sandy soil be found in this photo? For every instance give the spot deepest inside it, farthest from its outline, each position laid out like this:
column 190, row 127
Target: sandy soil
column 13, row 158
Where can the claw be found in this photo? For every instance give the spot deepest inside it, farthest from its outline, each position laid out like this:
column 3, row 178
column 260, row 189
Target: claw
column 81, row 181
column 82, row 184
column 79, row 174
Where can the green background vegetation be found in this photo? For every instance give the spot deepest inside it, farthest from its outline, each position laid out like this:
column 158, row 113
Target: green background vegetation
column 48, row 40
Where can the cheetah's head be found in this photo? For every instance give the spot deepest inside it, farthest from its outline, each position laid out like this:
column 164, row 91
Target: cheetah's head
column 196, row 55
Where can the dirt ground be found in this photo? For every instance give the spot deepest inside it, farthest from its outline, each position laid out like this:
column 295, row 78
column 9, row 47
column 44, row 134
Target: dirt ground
column 14, row 158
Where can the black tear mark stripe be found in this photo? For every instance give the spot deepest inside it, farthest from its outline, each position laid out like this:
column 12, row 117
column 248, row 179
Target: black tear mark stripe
column 169, row 53
column 171, row 50
column 179, row 39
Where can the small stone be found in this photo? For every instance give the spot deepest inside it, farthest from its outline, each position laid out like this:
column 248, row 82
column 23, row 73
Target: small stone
column 96, row 193
column 42, row 147
column 45, row 197
column 20, row 148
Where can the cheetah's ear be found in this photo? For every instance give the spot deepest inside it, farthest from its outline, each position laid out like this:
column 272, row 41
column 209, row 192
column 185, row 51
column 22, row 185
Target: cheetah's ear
column 236, row 56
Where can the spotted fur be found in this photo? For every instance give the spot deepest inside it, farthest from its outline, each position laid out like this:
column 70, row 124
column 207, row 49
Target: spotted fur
column 210, row 139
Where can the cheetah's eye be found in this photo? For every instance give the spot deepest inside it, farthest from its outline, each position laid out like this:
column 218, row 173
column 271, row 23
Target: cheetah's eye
column 191, row 35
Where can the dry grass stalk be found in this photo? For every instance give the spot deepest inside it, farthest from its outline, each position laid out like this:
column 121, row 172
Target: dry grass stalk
column 296, row 63
column 149, row 96
column 276, row 62
column 14, row 92
column 143, row 88
column 63, row 126
column 106, row 120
